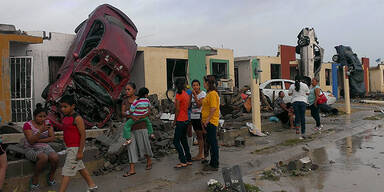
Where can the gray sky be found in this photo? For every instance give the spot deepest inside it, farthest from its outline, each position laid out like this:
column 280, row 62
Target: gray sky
column 249, row 27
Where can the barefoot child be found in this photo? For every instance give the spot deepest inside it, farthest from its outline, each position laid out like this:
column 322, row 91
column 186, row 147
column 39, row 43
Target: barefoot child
column 74, row 138
column 139, row 108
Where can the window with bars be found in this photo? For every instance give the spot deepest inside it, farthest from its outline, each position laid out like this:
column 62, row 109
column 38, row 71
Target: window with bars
column 21, row 88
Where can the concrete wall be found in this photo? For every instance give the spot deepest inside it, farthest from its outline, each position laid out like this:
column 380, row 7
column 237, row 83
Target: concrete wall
column 138, row 71
column 376, row 79
column 155, row 66
column 57, row 46
column 244, row 74
column 265, row 65
column 223, row 54
column 322, row 79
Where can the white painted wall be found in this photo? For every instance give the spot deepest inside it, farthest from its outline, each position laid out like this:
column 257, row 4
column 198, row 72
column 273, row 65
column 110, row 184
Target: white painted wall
column 57, row 46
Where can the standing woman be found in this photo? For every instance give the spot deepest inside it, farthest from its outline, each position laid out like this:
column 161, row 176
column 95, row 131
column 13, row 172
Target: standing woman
column 299, row 92
column 181, row 120
column 140, row 144
column 38, row 133
column 313, row 97
column 197, row 98
column 210, row 114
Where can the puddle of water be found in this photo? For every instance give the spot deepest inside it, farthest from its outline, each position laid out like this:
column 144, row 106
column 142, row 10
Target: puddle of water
column 354, row 163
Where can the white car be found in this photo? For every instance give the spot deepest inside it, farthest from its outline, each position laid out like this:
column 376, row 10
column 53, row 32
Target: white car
column 274, row 86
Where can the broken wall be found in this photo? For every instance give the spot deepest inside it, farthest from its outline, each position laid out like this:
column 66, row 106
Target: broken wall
column 376, row 78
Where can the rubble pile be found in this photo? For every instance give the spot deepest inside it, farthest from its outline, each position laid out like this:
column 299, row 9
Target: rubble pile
column 300, row 167
column 110, row 144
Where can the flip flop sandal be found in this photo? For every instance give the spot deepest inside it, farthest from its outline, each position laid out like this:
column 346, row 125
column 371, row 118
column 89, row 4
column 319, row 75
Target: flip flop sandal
column 197, row 158
column 180, row 165
column 189, row 163
column 129, row 174
column 149, row 167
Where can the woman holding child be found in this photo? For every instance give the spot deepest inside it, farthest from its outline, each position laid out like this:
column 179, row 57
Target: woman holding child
column 139, row 143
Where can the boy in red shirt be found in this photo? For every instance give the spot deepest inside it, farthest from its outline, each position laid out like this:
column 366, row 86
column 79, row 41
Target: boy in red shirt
column 74, row 138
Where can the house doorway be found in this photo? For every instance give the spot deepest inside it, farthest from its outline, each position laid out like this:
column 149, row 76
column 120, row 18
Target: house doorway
column 54, row 64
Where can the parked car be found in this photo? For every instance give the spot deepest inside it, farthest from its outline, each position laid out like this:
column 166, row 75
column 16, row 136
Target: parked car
column 274, row 86
column 96, row 68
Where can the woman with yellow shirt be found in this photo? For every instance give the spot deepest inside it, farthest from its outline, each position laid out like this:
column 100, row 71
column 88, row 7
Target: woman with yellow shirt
column 210, row 114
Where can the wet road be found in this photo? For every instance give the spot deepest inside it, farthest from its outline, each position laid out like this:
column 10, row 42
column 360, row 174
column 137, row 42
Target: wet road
column 355, row 163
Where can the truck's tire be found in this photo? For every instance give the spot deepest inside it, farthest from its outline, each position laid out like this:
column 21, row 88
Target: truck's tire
column 335, row 58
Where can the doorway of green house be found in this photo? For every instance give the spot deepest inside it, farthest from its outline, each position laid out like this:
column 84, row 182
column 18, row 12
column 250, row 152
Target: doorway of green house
column 220, row 68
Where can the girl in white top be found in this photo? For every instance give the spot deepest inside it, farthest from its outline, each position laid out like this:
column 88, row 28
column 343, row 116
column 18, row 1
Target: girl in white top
column 299, row 92
column 197, row 97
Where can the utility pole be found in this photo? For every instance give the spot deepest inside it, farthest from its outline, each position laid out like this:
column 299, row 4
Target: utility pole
column 256, row 116
column 347, row 99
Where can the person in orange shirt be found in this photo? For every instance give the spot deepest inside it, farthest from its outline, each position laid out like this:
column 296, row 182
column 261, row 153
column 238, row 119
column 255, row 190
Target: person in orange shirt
column 210, row 114
column 181, row 121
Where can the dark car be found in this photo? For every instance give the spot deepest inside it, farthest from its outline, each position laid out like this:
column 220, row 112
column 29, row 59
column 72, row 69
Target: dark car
column 96, row 68
column 346, row 57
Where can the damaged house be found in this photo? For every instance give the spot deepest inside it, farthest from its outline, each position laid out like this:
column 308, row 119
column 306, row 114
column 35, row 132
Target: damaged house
column 29, row 60
column 377, row 78
column 156, row 67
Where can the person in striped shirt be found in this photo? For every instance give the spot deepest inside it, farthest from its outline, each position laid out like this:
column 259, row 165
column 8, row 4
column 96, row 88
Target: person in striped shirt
column 138, row 111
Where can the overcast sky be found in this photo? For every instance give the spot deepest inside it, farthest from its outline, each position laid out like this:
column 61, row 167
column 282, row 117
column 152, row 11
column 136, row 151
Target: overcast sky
column 249, row 27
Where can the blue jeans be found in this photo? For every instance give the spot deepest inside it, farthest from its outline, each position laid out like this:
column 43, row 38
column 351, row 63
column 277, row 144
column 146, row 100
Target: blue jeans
column 212, row 142
column 181, row 143
column 315, row 114
column 299, row 108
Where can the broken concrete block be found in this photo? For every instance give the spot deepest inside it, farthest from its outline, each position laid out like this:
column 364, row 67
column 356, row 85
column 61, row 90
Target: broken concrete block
column 117, row 146
column 239, row 141
column 305, row 162
column 16, row 151
column 104, row 140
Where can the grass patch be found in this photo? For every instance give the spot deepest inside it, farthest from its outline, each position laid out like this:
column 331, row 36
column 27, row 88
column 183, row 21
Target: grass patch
column 375, row 117
column 263, row 149
column 292, row 142
column 270, row 175
column 251, row 188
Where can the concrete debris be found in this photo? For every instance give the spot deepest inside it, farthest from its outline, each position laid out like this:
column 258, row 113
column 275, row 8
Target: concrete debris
column 10, row 128
column 254, row 131
column 15, row 152
column 239, row 141
column 372, row 102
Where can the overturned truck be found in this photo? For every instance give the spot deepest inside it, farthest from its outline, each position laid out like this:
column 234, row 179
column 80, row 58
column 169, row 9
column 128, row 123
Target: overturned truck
column 96, row 68
column 346, row 57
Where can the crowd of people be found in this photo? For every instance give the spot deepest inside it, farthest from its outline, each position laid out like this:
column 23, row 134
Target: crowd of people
column 293, row 112
column 193, row 108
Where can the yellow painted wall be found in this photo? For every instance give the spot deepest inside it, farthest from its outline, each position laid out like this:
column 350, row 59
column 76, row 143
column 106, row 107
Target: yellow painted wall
column 265, row 65
column 155, row 65
column 224, row 54
column 376, row 79
column 323, row 85
column 5, row 91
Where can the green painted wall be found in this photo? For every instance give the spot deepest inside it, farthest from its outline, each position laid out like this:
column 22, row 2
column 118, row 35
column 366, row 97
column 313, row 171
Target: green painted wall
column 211, row 61
column 196, row 65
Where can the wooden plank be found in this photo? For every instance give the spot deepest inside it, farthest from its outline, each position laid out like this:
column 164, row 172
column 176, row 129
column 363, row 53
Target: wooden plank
column 17, row 137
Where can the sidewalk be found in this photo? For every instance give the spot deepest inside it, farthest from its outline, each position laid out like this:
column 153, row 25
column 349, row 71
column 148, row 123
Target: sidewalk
column 259, row 153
